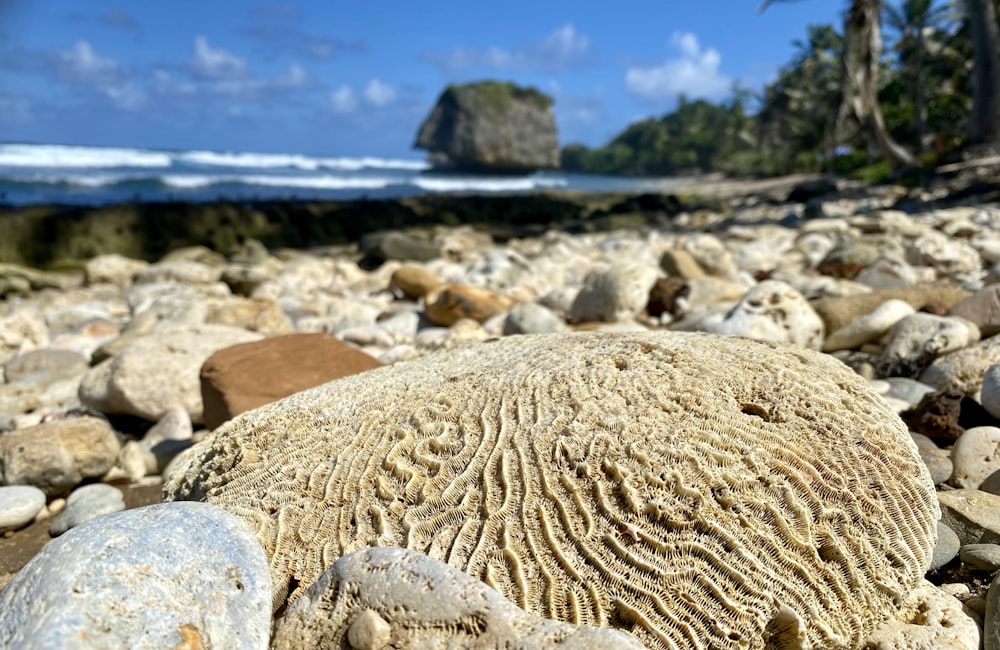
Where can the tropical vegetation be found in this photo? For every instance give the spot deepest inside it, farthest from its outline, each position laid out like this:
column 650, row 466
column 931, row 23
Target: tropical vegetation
column 896, row 85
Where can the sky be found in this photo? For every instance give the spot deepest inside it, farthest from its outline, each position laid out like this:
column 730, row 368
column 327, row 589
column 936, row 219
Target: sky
column 342, row 78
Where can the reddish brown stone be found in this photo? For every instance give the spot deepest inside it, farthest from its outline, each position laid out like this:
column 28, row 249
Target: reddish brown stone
column 944, row 415
column 245, row 376
column 664, row 294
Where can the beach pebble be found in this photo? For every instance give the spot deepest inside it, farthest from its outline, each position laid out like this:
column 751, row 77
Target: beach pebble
column 617, row 294
column 679, row 263
column 56, row 456
column 937, row 460
column 838, row 311
column 449, row 303
column 950, row 257
column 990, row 392
column 412, row 281
column 907, row 389
column 19, row 505
column 772, row 311
column 532, row 318
column 964, row 369
column 973, row 515
column 395, row 245
column 916, row 340
column 85, row 503
column 848, row 258
column 112, row 268
column 869, row 327
column 991, row 620
column 183, row 271
column 159, row 372
column 982, row 308
column 709, row 253
column 376, row 595
column 170, row 575
column 985, row 557
column 946, row 549
column 975, row 456
column 888, row 272
column 22, row 331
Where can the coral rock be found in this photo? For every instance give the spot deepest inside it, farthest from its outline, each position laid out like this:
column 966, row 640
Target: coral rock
column 697, row 491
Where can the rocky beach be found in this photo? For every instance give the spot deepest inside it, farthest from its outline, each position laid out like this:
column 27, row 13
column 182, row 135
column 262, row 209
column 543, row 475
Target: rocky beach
column 740, row 416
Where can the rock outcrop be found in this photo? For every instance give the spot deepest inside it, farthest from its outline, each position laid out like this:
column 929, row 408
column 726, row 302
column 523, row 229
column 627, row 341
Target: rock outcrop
column 491, row 126
column 698, row 491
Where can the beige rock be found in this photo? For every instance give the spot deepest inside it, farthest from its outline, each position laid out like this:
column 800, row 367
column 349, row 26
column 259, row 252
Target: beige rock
column 772, row 311
column 677, row 262
column 930, row 620
column 616, row 294
column 113, row 269
column 975, row 456
column 382, row 596
column 869, row 327
column 255, row 314
column 964, row 369
column 22, row 331
column 413, row 281
column 182, row 271
column 837, row 312
column 973, row 515
column 450, row 303
column 56, row 456
column 558, row 467
column 159, row 371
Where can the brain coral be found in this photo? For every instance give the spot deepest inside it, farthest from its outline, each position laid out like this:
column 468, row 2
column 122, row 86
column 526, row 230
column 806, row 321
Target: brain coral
column 697, row 491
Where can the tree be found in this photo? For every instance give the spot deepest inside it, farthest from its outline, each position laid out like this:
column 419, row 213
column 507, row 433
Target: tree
column 860, row 74
column 984, row 120
column 916, row 21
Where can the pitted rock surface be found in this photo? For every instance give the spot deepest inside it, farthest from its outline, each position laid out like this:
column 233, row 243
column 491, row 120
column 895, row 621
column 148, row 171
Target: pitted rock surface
column 696, row 491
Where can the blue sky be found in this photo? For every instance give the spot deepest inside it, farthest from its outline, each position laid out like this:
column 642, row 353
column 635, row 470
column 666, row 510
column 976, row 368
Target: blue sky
column 357, row 78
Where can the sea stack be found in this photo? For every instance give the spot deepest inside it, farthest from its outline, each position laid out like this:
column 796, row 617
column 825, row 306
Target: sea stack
column 491, row 126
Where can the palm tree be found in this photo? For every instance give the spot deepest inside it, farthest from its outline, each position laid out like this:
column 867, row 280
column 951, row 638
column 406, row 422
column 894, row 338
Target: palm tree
column 860, row 68
column 914, row 20
column 984, row 121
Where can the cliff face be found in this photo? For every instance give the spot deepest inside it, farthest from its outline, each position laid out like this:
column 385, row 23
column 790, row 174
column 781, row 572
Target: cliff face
column 491, row 126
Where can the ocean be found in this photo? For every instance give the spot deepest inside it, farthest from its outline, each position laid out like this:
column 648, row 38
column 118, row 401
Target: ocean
column 78, row 175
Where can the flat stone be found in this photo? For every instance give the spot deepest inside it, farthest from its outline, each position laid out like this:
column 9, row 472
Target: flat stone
column 679, row 263
column 85, row 503
column 973, row 515
column 975, row 456
column 172, row 575
column 244, row 376
column 985, row 557
column 19, row 504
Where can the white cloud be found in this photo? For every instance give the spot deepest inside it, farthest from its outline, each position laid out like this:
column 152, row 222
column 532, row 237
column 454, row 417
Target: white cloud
column 294, row 78
column 126, row 96
column 82, row 64
column 379, row 94
column 343, row 100
column 694, row 73
column 562, row 48
column 216, row 63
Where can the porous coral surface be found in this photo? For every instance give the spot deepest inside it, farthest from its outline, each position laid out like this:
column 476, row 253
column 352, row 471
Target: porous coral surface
column 697, row 491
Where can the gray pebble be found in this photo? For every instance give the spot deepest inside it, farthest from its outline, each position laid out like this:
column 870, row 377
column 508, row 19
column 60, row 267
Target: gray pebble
column 170, row 575
column 990, row 396
column 18, row 506
column 991, row 622
column 532, row 318
column 85, row 503
column 946, row 548
column 981, row 556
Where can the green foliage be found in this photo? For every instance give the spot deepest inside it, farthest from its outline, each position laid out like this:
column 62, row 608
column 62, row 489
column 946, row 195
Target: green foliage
column 498, row 95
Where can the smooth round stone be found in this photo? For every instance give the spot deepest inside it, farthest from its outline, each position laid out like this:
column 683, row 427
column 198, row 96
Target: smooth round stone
column 937, row 460
column 991, row 483
column 85, row 503
column 907, row 389
column 19, row 504
column 981, row 556
column 991, row 621
column 171, row 575
column 946, row 548
column 532, row 318
column 975, row 456
column 990, row 396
